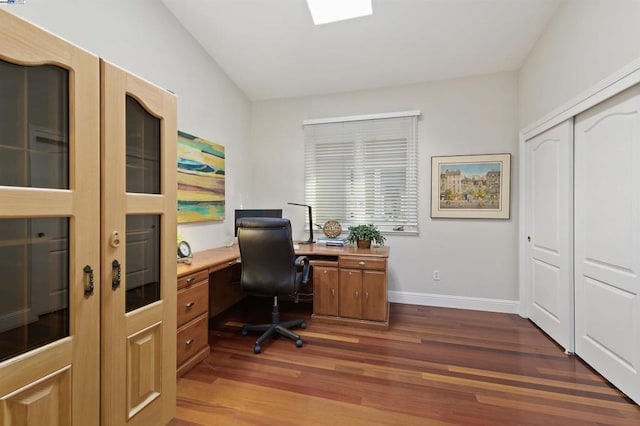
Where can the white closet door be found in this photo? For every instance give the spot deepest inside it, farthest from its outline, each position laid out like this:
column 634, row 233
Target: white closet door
column 607, row 239
column 549, row 220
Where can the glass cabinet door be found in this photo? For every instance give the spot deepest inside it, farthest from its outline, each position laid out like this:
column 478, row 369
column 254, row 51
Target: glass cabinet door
column 139, row 195
column 49, row 228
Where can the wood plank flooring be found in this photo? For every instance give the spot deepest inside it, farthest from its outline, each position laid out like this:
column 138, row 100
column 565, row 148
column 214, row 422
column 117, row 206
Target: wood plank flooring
column 434, row 366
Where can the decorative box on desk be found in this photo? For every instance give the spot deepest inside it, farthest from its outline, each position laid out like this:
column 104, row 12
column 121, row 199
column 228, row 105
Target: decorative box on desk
column 350, row 285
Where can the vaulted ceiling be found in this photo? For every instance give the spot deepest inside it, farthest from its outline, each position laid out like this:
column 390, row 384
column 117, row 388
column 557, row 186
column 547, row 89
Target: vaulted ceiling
column 271, row 49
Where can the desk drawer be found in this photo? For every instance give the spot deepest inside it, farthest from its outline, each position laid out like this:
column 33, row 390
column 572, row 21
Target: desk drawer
column 193, row 278
column 192, row 338
column 193, row 301
column 373, row 263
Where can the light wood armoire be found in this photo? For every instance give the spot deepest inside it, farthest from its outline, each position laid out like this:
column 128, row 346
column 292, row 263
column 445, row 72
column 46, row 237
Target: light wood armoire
column 87, row 237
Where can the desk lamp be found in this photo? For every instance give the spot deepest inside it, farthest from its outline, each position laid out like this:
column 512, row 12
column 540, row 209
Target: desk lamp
column 310, row 240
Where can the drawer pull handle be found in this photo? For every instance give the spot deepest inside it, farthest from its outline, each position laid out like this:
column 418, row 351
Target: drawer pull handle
column 361, row 263
column 190, row 305
column 189, row 342
column 231, row 263
column 190, row 280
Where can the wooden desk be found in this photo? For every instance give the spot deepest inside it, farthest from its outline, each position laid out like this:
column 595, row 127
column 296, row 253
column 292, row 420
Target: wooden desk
column 349, row 287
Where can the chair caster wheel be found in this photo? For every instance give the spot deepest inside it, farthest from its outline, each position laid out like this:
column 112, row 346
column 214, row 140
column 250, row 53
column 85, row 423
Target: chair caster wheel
column 303, row 325
column 299, row 343
column 244, row 332
column 257, row 349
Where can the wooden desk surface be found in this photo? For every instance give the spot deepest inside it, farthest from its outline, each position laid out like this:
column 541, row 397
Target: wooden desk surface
column 211, row 259
column 323, row 250
column 222, row 257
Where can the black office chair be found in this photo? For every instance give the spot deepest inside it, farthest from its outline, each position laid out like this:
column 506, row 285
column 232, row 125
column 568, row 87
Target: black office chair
column 270, row 268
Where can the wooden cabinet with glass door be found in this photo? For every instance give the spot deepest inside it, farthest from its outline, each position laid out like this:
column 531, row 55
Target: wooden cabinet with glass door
column 84, row 339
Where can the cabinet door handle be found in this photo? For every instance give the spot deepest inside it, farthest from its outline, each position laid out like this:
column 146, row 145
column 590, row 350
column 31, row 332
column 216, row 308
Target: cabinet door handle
column 88, row 281
column 190, row 305
column 357, row 294
column 116, row 271
column 333, row 292
column 189, row 342
column 366, row 296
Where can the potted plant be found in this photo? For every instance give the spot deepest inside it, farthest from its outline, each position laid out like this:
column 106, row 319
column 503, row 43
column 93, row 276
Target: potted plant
column 362, row 235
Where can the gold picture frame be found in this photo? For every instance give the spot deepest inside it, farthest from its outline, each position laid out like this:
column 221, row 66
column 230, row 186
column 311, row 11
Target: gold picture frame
column 471, row 186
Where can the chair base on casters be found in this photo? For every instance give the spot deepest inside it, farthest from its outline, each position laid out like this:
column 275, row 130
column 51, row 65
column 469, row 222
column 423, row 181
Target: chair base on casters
column 275, row 328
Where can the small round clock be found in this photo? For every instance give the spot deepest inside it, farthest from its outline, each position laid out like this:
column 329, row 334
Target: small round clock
column 184, row 249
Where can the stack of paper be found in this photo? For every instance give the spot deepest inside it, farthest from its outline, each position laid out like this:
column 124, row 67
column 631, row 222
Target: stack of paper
column 338, row 242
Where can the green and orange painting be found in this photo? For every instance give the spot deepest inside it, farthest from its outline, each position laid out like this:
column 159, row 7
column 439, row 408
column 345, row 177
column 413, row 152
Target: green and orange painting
column 200, row 179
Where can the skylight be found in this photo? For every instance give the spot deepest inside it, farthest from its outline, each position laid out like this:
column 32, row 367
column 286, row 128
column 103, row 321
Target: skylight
column 327, row 11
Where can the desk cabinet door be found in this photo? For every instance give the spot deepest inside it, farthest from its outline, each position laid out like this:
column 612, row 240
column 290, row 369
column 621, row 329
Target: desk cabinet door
column 374, row 288
column 325, row 291
column 350, row 293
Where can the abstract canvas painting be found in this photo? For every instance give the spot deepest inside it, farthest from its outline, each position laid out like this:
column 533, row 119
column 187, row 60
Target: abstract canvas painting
column 200, row 179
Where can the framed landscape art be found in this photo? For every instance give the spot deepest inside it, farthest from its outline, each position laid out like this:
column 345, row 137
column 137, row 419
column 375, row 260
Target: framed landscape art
column 471, row 186
column 201, row 179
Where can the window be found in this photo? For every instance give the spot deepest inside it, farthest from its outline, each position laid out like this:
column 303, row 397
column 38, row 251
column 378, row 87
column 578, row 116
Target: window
column 363, row 169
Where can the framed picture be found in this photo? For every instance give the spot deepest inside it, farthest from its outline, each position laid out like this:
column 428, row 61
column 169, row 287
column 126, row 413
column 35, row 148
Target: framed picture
column 471, row 186
column 201, row 179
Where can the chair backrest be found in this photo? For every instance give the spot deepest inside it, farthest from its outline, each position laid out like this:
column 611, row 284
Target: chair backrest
column 267, row 256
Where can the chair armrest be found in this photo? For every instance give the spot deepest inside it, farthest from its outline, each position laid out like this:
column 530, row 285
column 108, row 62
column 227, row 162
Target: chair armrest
column 303, row 260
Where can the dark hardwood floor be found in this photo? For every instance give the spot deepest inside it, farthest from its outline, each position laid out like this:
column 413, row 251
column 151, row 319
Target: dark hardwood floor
column 433, row 366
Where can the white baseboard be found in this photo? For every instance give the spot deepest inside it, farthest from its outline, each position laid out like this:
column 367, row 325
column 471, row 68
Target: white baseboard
column 458, row 302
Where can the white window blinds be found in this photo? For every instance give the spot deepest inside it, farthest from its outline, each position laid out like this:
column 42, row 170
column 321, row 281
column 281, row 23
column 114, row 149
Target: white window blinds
column 361, row 170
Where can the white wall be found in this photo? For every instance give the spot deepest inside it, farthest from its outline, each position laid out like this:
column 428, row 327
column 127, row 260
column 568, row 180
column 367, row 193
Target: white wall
column 586, row 41
column 143, row 37
column 476, row 258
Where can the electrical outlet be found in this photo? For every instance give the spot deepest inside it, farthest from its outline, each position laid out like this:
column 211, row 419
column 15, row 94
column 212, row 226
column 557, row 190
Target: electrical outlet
column 436, row 275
